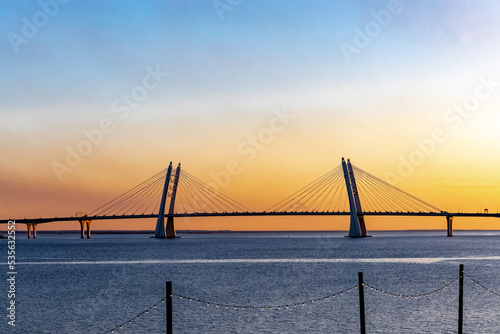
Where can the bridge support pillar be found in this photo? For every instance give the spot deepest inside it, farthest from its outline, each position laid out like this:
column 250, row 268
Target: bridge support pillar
column 88, row 228
column 82, row 231
column 170, row 227
column 449, row 225
column 31, row 230
column 82, row 228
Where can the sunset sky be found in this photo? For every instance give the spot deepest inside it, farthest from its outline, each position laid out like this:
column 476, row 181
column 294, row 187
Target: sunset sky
column 98, row 96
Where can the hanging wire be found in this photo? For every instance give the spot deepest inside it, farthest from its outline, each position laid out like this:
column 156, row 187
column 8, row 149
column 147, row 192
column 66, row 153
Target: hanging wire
column 135, row 318
column 328, row 194
column 138, row 200
column 388, row 199
column 230, row 307
column 385, row 197
column 477, row 283
column 195, row 196
column 318, row 196
column 227, row 306
column 265, row 307
column 413, row 296
column 325, row 194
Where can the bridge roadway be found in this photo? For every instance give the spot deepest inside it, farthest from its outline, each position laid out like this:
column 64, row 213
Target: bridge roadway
column 253, row 214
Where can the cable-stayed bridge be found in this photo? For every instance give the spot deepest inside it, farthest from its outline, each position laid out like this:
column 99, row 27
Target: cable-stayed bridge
column 173, row 193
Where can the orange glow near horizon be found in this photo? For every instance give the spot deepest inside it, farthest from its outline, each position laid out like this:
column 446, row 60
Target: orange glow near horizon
column 55, row 199
column 247, row 192
column 272, row 97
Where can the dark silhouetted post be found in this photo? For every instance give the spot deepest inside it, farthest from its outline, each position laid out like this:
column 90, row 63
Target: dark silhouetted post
column 169, row 308
column 461, row 300
column 361, row 303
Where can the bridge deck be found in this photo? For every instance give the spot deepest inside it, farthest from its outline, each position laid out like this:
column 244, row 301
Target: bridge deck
column 252, row 214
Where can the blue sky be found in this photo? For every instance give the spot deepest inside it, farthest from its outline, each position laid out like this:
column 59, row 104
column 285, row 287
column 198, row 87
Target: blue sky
column 226, row 76
column 92, row 49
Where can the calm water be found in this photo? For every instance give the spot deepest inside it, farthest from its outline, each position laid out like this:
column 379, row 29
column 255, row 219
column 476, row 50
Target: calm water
column 68, row 285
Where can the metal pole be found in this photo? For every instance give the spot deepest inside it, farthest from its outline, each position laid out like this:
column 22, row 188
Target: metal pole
column 169, row 307
column 461, row 300
column 361, row 303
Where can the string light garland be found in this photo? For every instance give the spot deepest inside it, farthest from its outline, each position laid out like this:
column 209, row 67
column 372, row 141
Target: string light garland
column 296, row 304
column 399, row 295
column 482, row 286
column 136, row 317
column 232, row 307
column 225, row 306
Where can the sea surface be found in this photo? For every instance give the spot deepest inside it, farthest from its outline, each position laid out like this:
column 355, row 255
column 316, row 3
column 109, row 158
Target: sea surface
column 68, row 285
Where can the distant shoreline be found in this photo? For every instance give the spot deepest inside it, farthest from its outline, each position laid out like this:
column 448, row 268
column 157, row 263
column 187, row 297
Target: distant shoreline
column 238, row 232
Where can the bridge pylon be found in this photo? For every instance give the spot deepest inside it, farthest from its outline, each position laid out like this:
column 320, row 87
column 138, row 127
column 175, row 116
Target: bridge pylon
column 160, row 223
column 357, row 202
column 357, row 228
column 170, row 218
